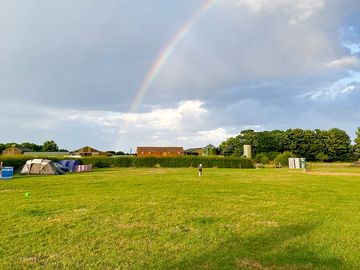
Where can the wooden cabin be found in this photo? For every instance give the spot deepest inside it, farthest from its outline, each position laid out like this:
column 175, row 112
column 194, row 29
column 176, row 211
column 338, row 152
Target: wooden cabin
column 152, row 151
column 12, row 151
column 88, row 151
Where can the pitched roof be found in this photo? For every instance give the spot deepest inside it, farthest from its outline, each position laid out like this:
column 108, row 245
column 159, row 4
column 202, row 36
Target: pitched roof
column 159, row 149
column 192, row 150
column 87, row 149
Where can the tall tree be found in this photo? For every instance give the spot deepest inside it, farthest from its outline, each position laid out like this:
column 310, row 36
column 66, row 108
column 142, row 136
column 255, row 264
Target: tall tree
column 357, row 143
column 338, row 144
column 31, row 147
column 2, row 147
column 50, row 146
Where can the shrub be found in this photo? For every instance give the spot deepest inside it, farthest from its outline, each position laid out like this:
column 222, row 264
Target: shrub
column 283, row 158
column 265, row 160
column 259, row 157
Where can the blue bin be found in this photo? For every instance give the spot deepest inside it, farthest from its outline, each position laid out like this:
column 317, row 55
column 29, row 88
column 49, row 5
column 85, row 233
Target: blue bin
column 7, row 173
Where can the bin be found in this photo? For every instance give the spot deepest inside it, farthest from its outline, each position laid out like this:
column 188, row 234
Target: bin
column 7, row 173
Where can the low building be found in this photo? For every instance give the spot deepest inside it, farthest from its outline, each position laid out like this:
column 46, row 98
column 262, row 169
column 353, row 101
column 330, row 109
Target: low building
column 208, row 150
column 152, row 151
column 194, row 152
column 47, row 154
column 12, row 151
column 88, row 151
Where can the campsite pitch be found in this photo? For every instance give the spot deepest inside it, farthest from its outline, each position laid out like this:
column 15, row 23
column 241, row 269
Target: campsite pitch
column 173, row 219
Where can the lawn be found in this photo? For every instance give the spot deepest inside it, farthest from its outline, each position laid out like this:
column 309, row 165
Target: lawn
column 172, row 219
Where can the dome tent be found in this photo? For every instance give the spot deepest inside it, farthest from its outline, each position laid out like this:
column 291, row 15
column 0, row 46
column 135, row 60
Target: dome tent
column 41, row 167
column 70, row 165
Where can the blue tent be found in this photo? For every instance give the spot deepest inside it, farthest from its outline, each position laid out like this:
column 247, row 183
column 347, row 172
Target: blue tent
column 69, row 164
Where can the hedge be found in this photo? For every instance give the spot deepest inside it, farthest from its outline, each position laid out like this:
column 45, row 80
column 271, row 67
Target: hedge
column 148, row 162
column 169, row 162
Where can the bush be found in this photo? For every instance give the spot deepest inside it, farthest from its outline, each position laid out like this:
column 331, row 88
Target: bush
column 283, row 158
column 265, row 160
column 259, row 157
column 270, row 155
column 169, row 162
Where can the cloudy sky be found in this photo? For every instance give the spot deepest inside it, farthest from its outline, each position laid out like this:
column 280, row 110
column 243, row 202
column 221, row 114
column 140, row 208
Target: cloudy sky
column 118, row 74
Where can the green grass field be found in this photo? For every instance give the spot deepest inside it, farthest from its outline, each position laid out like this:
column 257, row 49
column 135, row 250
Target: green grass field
column 172, row 219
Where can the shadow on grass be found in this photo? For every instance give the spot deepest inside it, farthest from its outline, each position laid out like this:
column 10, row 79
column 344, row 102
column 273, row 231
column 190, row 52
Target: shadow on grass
column 274, row 249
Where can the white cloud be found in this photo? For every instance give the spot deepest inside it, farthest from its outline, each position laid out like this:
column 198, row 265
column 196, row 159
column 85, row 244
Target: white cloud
column 215, row 136
column 296, row 10
column 160, row 126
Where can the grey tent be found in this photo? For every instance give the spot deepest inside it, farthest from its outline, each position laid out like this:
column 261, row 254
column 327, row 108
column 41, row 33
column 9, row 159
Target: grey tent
column 40, row 167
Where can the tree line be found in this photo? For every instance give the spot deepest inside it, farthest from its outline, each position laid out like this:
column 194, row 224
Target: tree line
column 47, row 146
column 314, row 145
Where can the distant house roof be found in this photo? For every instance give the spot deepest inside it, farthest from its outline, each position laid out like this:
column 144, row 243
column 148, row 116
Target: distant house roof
column 193, row 150
column 87, row 149
column 46, row 154
column 13, row 150
column 159, row 149
column 210, row 146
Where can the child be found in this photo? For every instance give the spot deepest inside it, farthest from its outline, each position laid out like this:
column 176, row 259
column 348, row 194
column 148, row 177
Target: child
column 200, row 170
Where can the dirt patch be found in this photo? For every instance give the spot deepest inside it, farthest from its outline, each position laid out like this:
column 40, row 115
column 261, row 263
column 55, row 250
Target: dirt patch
column 251, row 264
column 268, row 223
column 254, row 265
column 80, row 210
column 6, row 190
column 334, row 173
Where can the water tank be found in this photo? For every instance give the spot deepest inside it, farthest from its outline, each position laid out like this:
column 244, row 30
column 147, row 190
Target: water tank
column 247, row 151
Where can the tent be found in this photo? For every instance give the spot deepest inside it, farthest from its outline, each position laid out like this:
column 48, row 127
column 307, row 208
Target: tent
column 41, row 166
column 69, row 164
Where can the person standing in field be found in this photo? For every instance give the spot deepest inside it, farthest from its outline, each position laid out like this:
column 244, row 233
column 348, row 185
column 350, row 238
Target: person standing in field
column 200, row 168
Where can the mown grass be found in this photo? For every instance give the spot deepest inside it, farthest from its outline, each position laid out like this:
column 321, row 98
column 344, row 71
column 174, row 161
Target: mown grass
column 172, row 219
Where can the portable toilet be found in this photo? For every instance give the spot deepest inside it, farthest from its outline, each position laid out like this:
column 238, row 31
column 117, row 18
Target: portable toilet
column 292, row 163
column 303, row 163
column 7, row 173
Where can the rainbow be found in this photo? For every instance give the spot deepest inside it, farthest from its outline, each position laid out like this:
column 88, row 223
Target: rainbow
column 166, row 53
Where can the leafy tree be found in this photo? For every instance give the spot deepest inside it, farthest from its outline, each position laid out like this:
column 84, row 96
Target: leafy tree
column 231, row 146
column 322, row 157
column 2, row 147
column 8, row 145
column 31, row 147
column 268, row 141
column 50, row 146
column 357, row 143
column 338, row 145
